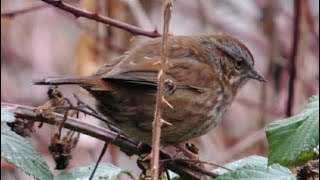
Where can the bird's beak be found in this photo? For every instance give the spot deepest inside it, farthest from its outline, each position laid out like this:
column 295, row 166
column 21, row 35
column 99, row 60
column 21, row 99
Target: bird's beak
column 255, row 75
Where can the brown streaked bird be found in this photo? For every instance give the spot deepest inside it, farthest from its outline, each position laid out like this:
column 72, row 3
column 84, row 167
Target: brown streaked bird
column 207, row 71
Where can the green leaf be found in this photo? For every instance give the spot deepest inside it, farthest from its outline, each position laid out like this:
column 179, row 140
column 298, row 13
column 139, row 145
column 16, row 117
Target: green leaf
column 292, row 141
column 18, row 151
column 254, row 168
column 6, row 115
column 104, row 171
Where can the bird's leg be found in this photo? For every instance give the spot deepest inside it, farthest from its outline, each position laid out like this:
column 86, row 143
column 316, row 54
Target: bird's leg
column 189, row 150
column 144, row 159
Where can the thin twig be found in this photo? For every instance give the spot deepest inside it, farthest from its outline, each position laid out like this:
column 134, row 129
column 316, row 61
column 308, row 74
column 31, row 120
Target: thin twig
column 80, row 102
column 93, row 114
column 103, row 151
column 103, row 19
column 204, row 171
column 200, row 162
column 156, row 130
column 293, row 61
column 12, row 13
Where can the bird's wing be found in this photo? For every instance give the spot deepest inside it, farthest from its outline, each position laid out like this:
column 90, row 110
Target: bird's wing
column 109, row 65
column 184, row 73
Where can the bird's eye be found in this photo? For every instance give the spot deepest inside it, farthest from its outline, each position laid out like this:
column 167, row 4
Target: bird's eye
column 239, row 64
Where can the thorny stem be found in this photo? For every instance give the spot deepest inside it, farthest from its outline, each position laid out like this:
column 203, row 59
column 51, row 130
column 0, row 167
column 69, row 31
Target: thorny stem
column 156, row 134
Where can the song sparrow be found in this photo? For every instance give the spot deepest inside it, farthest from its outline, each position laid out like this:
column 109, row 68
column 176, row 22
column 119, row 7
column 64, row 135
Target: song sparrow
column 207, row 71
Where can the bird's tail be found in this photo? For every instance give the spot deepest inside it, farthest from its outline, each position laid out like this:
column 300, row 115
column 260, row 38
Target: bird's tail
column 64, row 81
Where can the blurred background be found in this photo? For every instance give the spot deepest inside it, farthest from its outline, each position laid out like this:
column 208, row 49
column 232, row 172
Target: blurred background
column 39, row 40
